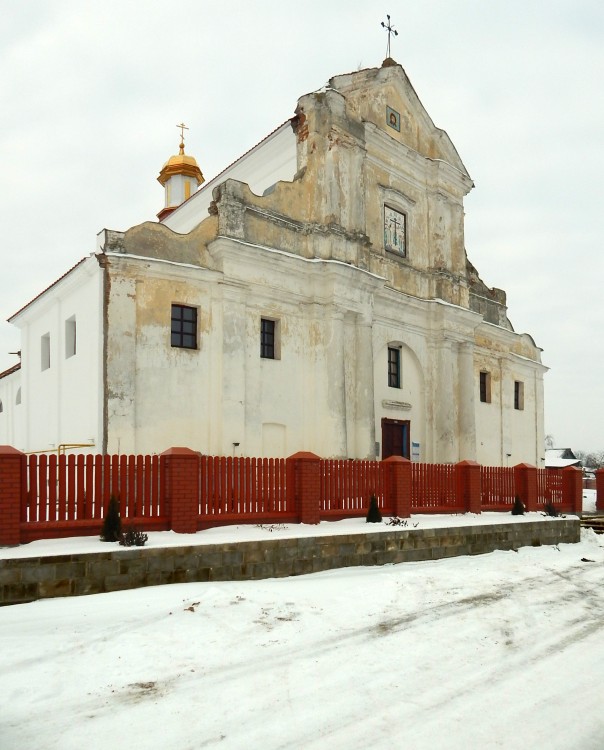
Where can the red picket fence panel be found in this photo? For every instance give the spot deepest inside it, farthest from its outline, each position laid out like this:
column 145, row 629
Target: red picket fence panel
column 236, row 488
column 434, row 489
column 66, row 495
column 498, row 487
column 346, row 487
column 549, row 486
column 77, row 488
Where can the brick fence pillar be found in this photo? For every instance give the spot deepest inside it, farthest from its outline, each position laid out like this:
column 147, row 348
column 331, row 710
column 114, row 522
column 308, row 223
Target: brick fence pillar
column 180, row 472
column 469, row 486
column 304, row 471
column 12, row 475
column 525, row 479
column 572, row 489
column 600, row 489
column 398, row 485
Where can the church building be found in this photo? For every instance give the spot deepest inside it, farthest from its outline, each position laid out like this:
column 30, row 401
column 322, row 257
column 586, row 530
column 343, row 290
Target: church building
column 316, row 295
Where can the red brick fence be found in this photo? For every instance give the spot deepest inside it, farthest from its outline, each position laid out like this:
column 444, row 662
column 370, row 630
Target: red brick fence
column 56, row 496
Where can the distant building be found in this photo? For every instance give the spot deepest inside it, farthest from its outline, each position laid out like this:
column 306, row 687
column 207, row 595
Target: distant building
column 560, row 458
column 315, row 296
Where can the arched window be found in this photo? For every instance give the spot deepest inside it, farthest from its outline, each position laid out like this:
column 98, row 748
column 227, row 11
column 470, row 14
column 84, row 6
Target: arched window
column 18, row 398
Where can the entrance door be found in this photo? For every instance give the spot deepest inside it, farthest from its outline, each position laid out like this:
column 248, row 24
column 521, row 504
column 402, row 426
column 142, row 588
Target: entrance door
column 395, row 438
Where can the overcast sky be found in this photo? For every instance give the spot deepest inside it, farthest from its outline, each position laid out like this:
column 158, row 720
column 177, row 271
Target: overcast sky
column 90, row 94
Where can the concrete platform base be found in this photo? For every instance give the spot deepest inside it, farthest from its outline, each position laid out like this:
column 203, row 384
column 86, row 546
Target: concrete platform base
column 30, row 578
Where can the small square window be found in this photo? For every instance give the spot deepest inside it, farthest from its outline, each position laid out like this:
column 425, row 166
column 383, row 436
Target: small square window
column 485, row 387
column 394, row 367
column 184, row 327
column 518, row 395
column 267, row 338
column 395, row 231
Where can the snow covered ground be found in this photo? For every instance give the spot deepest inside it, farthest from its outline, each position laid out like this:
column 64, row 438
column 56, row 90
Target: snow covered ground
column 504, row 650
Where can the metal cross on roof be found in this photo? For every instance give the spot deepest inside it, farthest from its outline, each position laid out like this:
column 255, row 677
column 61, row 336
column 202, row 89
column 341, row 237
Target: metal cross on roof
column 182, row 127
column 391, row 30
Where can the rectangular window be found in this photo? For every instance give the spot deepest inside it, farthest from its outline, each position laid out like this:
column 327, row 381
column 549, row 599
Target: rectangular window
column 518, row 395
column 394, row 367
column 395, row 231
column 267, row 338
column 485, row 387
column 184, row 327
column 45, row 352
column 70, row 337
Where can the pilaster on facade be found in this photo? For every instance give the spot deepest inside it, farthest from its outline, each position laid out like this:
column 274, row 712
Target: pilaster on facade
column 466, row 401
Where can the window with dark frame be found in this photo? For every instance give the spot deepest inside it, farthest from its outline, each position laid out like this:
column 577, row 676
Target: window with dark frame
column 267, row 338
column 518, row 395
column 184, row 327
column 485, row 387
column 394, row 367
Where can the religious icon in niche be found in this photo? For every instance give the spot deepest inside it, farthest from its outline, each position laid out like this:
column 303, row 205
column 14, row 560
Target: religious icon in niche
column 394, row 231
column 393, row 119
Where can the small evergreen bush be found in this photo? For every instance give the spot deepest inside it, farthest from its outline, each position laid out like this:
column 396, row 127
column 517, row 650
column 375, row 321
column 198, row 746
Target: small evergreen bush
column 373, row 514
column 550, row 510
column 133, row 537
column 518, row 509
column 112, row 523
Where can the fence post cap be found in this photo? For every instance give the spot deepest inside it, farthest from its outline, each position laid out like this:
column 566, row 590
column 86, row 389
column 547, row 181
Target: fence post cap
column 306, row 455
column 8, row 450
column 574, row 468
column 180, row 452
column 396, row 459
column 524, row 466
column 467, row 462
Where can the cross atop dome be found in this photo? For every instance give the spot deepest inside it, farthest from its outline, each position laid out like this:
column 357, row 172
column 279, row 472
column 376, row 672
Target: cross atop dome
column 180, row 176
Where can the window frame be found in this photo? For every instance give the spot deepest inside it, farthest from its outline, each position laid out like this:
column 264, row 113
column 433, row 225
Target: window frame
column 268, row 338
column 484, row 387
column 178, row 324
column 394, row 367
column 518, row 395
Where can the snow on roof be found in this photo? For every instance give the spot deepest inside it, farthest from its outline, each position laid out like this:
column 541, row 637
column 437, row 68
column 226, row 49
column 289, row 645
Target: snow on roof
column 559, row 458
column 561, row 463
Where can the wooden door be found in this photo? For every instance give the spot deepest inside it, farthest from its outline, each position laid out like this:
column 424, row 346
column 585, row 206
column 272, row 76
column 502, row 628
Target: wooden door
column 395, row 438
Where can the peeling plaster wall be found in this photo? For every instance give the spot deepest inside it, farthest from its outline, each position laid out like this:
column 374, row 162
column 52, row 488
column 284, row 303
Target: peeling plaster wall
column 310, row 255
column 299, row 255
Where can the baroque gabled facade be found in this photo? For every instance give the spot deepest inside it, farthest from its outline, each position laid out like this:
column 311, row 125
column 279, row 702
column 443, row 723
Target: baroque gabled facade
column 314, row 296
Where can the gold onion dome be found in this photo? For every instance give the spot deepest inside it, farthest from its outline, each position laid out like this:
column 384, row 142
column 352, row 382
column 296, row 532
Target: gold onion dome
column 181, row 164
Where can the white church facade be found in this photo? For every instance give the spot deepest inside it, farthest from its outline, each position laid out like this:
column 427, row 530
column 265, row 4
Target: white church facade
column 315, row 296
